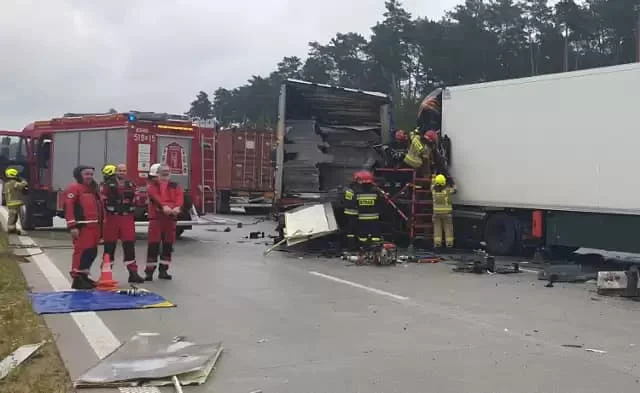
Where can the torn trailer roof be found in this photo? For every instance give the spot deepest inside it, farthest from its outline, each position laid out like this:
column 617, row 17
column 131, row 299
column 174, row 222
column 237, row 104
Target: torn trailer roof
column 328, row 133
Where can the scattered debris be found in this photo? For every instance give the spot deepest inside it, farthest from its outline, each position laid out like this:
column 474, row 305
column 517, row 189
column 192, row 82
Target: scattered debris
column 17, row 357
column 309, row 222
column 595, row 350
column 255, row 235
column 262, row 341
column 227, row 229
column 564, row 273
column 572, row 345
column 481, row 262
column 619, row 283
column 256, row 391
column 152, row 359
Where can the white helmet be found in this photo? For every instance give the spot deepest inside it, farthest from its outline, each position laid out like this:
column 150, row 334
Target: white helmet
column 154, row 169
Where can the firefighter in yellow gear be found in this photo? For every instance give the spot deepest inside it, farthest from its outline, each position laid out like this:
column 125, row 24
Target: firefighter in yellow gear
column 442, row 211
column 14, row 190
column 419, row 154
column 368, row 204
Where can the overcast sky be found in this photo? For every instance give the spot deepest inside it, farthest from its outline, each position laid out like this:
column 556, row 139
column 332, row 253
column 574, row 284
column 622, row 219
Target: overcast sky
column 61, row 56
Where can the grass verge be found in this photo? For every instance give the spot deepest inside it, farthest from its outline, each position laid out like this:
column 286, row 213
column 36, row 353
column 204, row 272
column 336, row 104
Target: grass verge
column 44, row 372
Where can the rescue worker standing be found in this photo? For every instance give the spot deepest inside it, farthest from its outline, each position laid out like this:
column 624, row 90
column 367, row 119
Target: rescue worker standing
column 83, row 213
column 351, row 215
column 442, row 211
column 165, row 203
column 13, row 189
column 368, row 226
column 118, row 195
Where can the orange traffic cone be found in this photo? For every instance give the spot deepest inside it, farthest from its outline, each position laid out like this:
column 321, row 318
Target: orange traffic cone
column 106, row 281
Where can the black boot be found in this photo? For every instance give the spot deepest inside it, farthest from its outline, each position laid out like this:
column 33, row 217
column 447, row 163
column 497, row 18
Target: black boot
column 135, row 278
column 82, row 283
column 90, row 281
column 163, row 274
column 148, row 275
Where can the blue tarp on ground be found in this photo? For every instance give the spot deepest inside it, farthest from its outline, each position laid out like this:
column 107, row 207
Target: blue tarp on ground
column 79, row 301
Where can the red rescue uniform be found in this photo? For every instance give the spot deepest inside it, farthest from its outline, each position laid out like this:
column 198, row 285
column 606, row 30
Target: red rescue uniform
column 83, row 211
column 119, row 199
column 162, row 227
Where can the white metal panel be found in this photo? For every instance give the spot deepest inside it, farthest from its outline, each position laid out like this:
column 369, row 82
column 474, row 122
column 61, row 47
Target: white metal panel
column 566, row 141
column 64, row 158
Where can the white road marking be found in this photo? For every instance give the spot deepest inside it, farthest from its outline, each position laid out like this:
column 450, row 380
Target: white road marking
column 356, row 285
column 100, row 337
column 529, row 271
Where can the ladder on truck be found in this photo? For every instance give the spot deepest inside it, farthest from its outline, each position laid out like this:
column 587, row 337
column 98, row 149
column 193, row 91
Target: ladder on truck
column 409, row 204
column 208, row 170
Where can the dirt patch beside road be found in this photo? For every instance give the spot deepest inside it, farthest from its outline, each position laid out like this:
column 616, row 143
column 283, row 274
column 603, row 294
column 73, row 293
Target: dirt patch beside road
column 44, row 372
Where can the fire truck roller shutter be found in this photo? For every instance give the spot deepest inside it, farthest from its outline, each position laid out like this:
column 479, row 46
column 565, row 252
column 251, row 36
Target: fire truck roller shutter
column 85, row 147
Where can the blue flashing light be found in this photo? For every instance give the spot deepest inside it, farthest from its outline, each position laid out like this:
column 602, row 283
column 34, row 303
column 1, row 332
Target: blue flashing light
column 132, row 117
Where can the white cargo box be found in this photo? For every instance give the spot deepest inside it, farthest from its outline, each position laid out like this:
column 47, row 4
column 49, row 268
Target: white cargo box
column 560, row 142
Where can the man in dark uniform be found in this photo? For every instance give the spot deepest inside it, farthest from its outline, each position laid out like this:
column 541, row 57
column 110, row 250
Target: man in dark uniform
column 367, row 200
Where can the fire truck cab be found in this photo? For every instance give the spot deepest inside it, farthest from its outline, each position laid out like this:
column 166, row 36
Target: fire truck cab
column 46, row 152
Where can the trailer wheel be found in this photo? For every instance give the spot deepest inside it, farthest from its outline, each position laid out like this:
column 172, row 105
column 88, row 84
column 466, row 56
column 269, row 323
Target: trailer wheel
column 500, row 234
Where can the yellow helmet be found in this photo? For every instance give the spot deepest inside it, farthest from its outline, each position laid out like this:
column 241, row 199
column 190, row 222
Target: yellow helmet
column 109, row 170
column 11, row 173
column 440, row 180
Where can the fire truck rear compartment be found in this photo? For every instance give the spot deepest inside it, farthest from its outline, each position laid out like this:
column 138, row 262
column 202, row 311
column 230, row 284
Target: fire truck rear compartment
column 85, row 147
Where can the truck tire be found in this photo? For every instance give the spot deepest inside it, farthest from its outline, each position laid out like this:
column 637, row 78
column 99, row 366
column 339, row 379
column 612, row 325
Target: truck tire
column 224, row 201
column 25, row 219
column 501, row 234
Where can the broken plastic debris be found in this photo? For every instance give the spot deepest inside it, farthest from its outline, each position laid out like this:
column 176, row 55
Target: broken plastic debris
column 572, row 345
column 595, row 350
column 17, row 357
column 262, row 341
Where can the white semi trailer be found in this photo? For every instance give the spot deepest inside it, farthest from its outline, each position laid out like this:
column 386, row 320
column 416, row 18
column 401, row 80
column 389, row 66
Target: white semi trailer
column 549, row 161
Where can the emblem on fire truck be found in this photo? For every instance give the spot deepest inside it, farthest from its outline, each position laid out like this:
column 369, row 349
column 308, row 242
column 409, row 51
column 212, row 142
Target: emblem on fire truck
column 175, row 157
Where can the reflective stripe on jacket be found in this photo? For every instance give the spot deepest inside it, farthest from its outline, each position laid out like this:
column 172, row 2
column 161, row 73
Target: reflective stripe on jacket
column 350, row 206
column 82, row 205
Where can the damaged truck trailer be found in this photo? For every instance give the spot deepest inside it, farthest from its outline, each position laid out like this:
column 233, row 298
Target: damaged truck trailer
column 548, row 161
column 324, row 134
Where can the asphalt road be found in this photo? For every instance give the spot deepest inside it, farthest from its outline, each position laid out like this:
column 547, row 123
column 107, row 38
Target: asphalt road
column 313, row 325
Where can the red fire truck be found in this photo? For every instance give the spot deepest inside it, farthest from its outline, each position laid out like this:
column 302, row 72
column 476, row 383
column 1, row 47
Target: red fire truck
column 48, row 151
